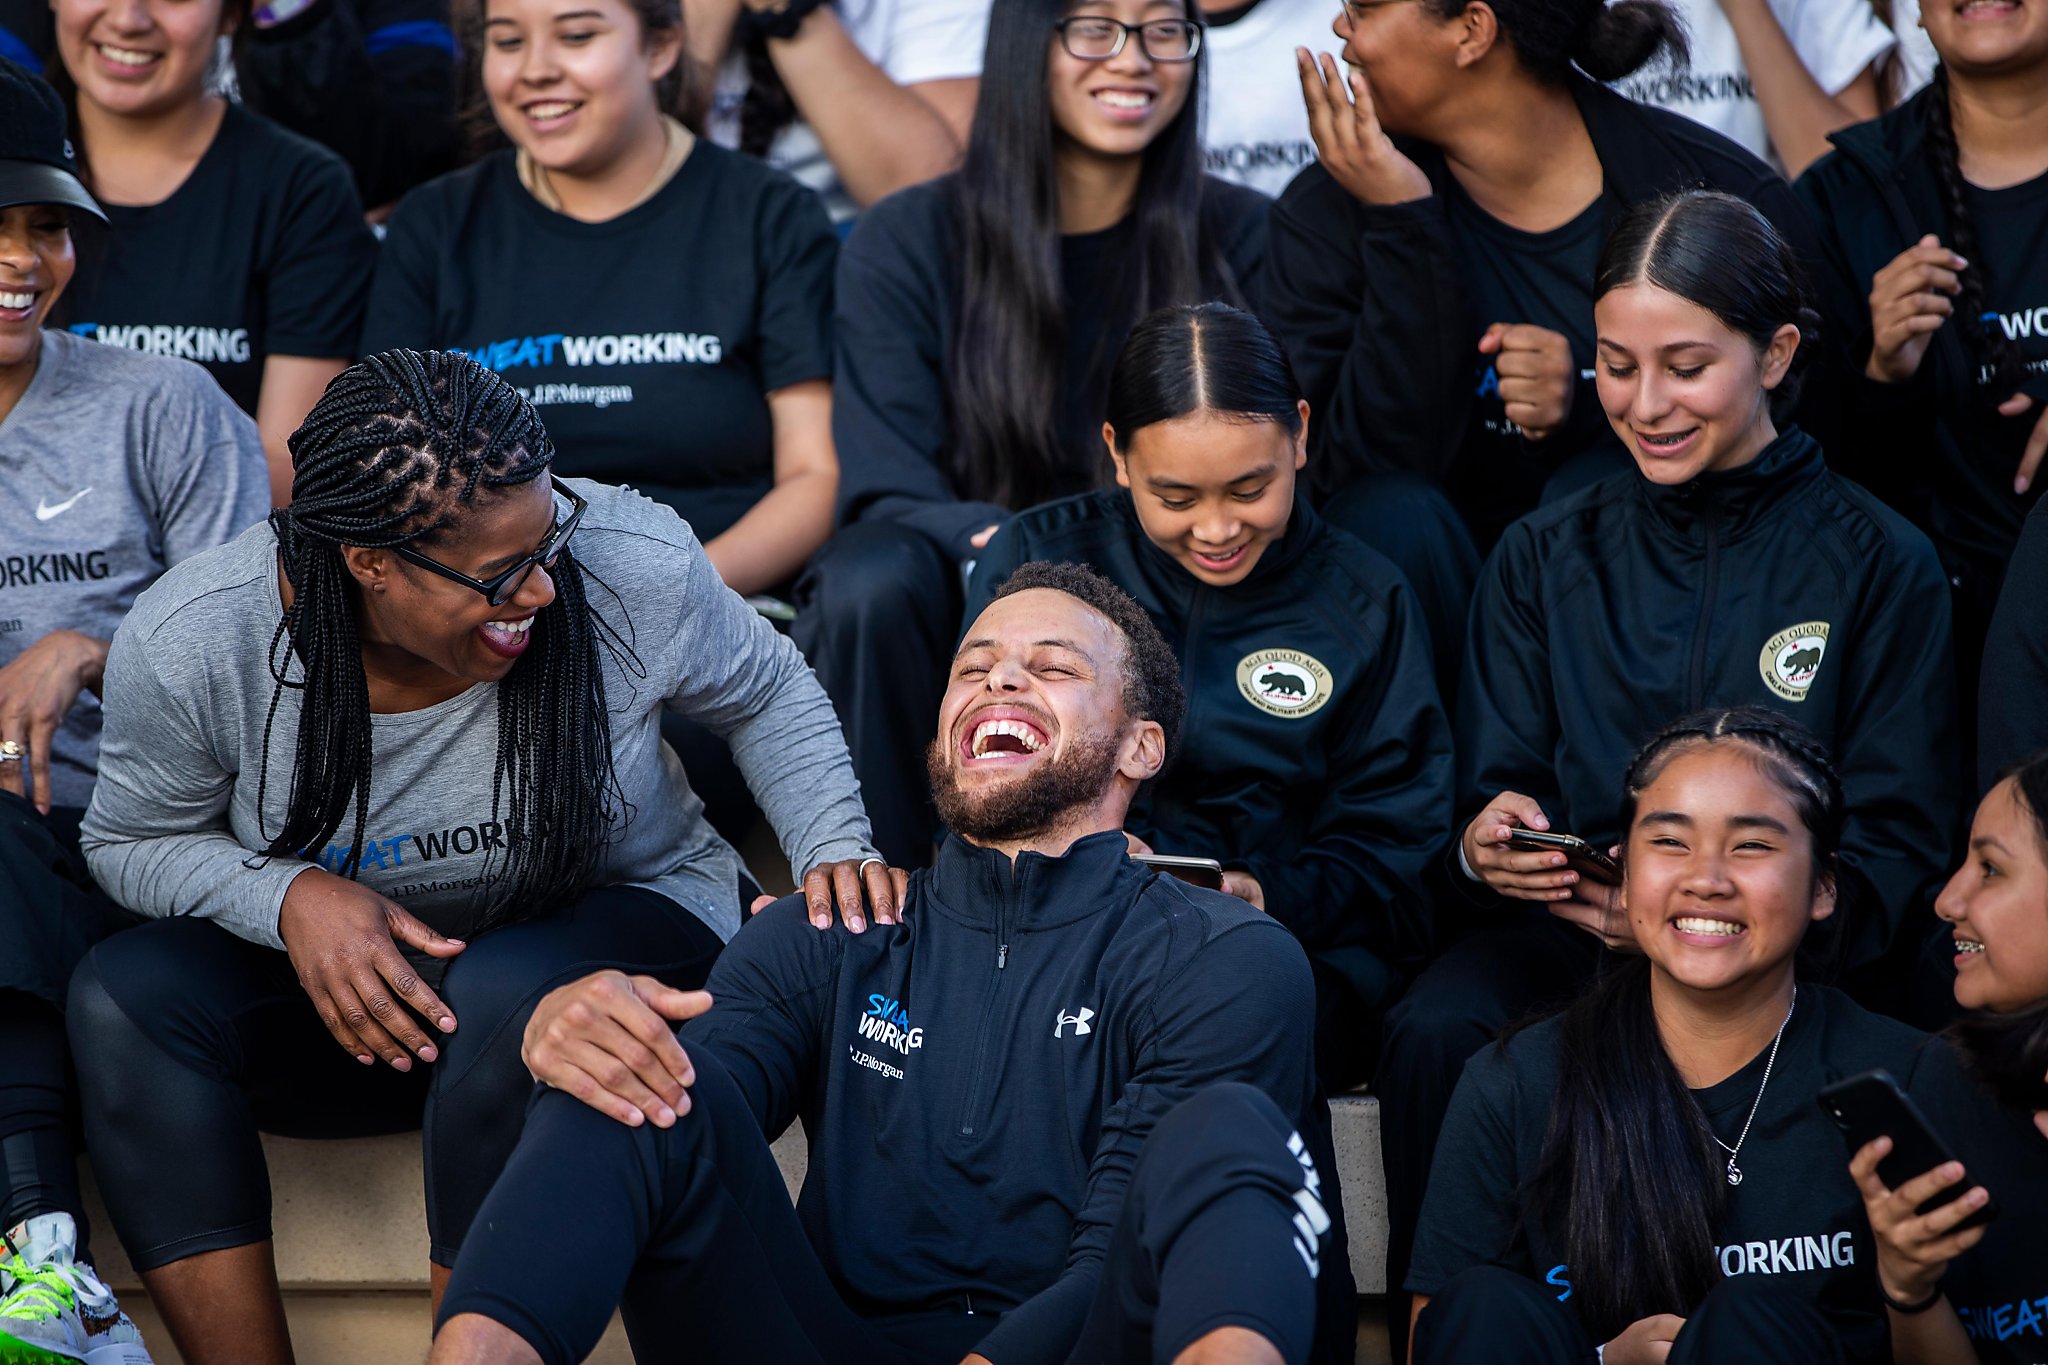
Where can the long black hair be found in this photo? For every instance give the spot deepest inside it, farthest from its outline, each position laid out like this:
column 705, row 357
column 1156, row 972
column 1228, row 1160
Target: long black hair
column 395, row 450
column 1630, row 1170
column 2008, row 1053
column 1721, row 253
column 1010, row 331
column 1995, row 353
column 1606, row 41
column 1201, row 357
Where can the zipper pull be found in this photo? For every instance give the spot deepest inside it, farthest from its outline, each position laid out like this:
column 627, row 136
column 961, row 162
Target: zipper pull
column 1002, row 955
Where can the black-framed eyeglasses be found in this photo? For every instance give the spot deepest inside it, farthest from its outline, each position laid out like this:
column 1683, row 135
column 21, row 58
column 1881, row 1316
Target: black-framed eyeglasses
column 499, row 588
column 1093, row 38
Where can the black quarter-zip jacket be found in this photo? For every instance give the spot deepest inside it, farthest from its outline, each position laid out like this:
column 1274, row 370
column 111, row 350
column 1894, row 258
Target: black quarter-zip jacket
column 1622, row 607
column 1337, row 800
column 976, row 1082
column 1934, row 447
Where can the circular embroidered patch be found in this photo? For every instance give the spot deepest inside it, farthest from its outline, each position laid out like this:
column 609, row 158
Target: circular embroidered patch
column 1284, row 682
column 1791, row 659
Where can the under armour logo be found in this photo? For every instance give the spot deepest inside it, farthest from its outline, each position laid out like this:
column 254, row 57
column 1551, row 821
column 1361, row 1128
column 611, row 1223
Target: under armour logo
column 1079, row 1021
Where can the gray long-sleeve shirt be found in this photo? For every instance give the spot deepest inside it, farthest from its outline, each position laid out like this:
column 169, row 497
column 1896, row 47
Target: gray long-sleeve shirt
column 174, row 821
column 113, row 466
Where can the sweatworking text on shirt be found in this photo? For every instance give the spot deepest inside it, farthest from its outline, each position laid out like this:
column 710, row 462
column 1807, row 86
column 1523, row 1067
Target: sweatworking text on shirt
column 1780, row 1256
column 219, row 345
column 2005, row 1321
column 382, row 854
column 576, row 352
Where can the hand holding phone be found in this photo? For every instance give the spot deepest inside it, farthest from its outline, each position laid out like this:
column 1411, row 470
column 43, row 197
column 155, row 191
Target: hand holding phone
column 1588, row 860
column 1923, row 1212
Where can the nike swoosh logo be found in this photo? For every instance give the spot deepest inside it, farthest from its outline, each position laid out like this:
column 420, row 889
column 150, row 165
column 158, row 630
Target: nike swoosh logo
column 44, row 511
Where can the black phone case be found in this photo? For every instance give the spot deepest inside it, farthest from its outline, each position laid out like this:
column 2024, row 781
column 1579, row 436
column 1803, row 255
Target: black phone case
column 1871, row 1106
column 1581, row 856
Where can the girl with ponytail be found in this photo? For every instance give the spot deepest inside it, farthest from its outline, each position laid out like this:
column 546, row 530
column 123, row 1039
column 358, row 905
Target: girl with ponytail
column 1933, row 219
column 390, row 762
column 1431, row 276
column 976, row 320
column 1321, row 776
column 1664, row 588
column 1647, row 1171
column 1953, row 1290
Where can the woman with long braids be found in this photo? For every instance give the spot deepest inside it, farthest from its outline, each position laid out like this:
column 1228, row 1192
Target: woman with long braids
column 1604, row 1172
column 977, row 320
column 1934, row 222
column 384, row 771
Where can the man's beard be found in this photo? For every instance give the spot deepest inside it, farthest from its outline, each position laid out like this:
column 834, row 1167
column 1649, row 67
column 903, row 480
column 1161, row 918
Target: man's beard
column 1026, row 808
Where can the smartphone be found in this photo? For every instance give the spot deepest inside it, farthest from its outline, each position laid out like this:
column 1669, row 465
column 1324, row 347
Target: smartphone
column 1197, row 871
column 1583, row 858
column 1871, row 1106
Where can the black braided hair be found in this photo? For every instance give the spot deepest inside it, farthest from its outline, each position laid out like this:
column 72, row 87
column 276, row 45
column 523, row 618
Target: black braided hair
column 1988, row 345
column 1630, row 1172
column 392, row 453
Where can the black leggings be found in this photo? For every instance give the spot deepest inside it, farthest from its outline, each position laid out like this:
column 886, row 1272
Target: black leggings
column 693, row 1228
column 50, row 916
column 1495, row 1315
column 193, row 1040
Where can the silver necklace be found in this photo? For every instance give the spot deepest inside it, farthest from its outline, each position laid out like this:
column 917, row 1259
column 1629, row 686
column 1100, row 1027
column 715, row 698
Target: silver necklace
column 1735, row 1171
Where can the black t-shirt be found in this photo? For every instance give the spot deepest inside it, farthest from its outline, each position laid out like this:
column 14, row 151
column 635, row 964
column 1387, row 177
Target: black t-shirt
column 1541, row 279
column 650, row 341
column 1796, row 1213
column 262, row 251
column 2012, row 243
column 1999, row 1287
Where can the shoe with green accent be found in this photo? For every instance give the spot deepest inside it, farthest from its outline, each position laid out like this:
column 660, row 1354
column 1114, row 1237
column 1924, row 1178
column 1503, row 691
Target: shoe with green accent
column 55, row 1311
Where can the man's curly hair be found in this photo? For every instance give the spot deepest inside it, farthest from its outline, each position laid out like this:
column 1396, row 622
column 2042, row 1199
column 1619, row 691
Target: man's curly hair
column 1152, row 689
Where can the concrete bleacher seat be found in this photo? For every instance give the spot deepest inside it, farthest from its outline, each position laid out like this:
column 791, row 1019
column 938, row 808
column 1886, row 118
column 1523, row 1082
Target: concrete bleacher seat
column 352, row 1240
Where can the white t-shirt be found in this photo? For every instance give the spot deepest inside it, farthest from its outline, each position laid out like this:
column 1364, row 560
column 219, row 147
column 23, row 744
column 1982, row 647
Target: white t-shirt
column 912, row 41
column 1255, row 128
column 1836, row 39
column 1917, row 57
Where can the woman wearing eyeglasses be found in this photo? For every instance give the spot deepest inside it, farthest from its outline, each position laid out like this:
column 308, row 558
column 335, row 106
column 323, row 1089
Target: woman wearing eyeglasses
column 383, row 772
column 977, row 320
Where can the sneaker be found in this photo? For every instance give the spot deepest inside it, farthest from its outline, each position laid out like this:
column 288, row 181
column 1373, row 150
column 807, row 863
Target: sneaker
column 55, row 1311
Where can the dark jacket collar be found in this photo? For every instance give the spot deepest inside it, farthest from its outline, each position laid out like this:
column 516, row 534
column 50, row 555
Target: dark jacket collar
column 1895, row 140
column 981, row 886
column 1732, row 503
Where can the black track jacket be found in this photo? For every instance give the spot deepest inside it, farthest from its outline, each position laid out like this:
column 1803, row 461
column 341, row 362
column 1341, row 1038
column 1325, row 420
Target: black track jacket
column 1371, row 304
column 1626, row 605
column 1316, row 754
column 976, row 1082
column 1933, row 446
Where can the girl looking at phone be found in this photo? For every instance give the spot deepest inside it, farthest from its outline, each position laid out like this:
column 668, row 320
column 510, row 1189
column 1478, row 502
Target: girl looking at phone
column 1323, row 771
column 1974, row 1295
column 1643, row 1171
column 1728, row 567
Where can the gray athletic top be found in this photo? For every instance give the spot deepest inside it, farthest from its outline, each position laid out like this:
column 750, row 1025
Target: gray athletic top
column 113, row 466
column 174, row 820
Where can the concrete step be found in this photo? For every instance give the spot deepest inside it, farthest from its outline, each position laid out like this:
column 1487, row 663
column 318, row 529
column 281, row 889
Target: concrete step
column 352, row 1241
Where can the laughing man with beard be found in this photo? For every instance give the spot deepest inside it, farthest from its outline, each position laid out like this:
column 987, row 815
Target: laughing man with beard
column 1063, row 1111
